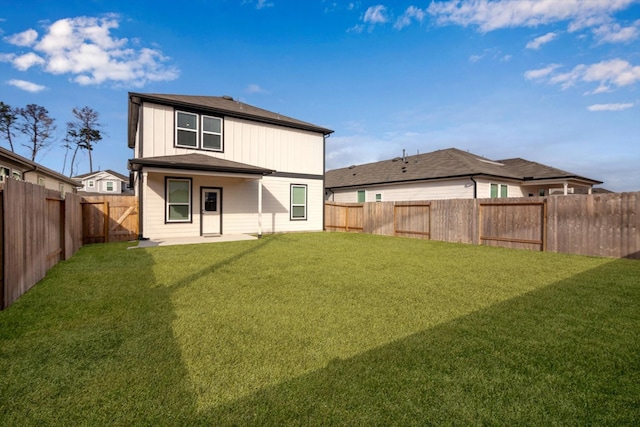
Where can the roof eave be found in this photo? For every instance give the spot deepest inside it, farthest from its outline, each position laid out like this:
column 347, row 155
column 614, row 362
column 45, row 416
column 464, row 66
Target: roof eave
column 197, row 167
column 226, row 112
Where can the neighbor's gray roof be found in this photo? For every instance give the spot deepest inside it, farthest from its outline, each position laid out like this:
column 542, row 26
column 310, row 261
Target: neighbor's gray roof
column 442, row 164
column 198, row 162
column 112, row 172
column 222, row 105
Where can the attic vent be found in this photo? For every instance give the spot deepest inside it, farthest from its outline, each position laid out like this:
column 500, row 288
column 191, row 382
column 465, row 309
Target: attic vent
column 228, row 98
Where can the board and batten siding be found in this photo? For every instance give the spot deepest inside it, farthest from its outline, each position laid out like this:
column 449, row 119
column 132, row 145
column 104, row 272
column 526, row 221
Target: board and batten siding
column 239, row 205
column 273, row 147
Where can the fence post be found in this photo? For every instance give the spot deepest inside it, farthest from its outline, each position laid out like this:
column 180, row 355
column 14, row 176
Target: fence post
column 106, row 221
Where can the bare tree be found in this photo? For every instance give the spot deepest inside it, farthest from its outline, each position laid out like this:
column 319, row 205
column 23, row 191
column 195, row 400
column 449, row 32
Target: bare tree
column 37, row 126
column 8, row 123
column 83, row 133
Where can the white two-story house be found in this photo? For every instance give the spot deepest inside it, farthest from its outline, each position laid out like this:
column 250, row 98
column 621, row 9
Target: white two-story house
column 206, row 166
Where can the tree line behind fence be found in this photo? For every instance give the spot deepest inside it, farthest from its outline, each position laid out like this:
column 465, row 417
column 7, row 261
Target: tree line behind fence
column 595, row 224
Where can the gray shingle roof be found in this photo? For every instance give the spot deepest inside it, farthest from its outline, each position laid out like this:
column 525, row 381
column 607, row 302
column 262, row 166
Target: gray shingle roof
column 441, row 164
column 112, row 172
column 222, row 105
column 199, row 162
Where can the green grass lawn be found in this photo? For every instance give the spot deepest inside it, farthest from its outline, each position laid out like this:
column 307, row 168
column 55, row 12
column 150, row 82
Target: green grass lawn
column 324, row 329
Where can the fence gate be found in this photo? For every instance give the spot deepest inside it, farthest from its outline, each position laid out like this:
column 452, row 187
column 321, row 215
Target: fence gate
column 412, row 220
column 109, row 219
column 344, row 217
column 513, row 225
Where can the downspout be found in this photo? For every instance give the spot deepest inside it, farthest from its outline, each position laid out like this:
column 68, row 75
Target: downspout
column 475, row 187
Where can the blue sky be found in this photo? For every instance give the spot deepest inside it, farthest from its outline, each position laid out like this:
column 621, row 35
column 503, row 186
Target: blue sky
column 553, row 81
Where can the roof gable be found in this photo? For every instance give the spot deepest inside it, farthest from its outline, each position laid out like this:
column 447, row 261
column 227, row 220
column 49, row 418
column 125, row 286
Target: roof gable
column 222, row 105
column 102, row 174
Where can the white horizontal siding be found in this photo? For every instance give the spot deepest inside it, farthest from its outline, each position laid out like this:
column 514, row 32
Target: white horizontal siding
column 435, row 190
column 484, row 188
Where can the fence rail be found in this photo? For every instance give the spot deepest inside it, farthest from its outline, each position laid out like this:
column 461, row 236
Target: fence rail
column 594, row 224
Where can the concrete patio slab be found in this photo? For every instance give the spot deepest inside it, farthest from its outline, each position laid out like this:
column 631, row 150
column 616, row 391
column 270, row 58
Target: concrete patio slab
column 193, row 240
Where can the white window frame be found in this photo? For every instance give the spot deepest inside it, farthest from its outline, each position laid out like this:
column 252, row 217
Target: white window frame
column 106, row 186
column 169, row 204
column 204, row 132
column 91, row 184
column 305, row 204
column 199, row 131
column 16, row 175
column 196, row 131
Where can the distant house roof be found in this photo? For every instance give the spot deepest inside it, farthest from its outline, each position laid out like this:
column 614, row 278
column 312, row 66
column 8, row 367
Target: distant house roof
column 36, row 167
column 109, row 171
column 199, row 162
column 444, row 164
column 223, row 105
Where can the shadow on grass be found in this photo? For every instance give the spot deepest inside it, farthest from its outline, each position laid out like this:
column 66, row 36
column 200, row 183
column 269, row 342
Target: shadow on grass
column 568, row 354
column 101, row 349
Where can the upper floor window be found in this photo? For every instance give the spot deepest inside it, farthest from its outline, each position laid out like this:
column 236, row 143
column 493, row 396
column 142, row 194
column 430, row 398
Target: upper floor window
column 109, row 185
column 41, row 180
column 198, row 131
column 92, row 183
column 17, row 175
column 361, row 196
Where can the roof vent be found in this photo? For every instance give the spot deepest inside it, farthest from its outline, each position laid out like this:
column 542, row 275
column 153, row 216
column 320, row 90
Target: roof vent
column 352, row 166
column 396, row 159
column 228, row 98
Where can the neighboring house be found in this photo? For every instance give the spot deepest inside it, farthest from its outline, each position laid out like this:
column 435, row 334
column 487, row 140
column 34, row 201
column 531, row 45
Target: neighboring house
column 15, row 166
column 103, row 182
column 449, row 174
column 206, row 165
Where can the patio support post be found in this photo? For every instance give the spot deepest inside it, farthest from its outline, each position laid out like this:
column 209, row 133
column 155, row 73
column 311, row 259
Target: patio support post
column 260, row 207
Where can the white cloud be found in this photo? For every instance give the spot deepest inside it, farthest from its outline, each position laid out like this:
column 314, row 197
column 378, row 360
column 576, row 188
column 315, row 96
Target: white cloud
column 25, row 38
column 539, row 41
column 254, row 88
column 609, row 107
column 541, row 72
column 492, row 15
column 376, row 15
column 263, row 3
column 611, row 74
column 26, row 61
column 412, row 13
column 615, row 33
column 25, row 85
column 85, row 48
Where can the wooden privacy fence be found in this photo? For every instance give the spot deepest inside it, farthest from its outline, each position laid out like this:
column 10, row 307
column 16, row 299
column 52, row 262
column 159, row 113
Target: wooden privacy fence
column 39, row 229
column 109, row 218
column 594, row 224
